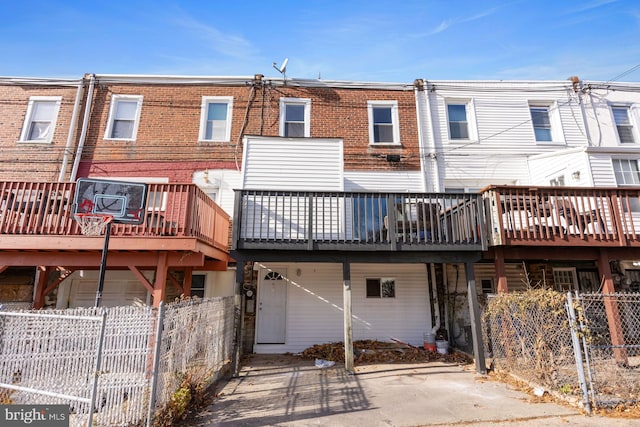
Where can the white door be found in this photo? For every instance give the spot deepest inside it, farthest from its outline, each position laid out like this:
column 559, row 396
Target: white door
column 272, row 303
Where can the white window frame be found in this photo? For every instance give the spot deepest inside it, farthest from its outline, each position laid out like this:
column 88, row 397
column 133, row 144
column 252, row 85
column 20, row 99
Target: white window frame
column 395, row 121
column 633, row 122
column 633, row 203
column 565, row 272
column 306, row 102
column 28, row 118
column 557, row 133
column 206, row 100
column 112, row 109
column 472, row 128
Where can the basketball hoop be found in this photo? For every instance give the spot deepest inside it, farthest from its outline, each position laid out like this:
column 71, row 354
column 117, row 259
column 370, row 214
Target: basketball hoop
column 92, row 224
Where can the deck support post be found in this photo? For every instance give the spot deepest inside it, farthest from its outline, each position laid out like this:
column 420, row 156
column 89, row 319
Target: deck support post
column 612, row 309
column 160, row 283
column 348, row 324
column 474, row 315
column 41, row 285
column 501, row 275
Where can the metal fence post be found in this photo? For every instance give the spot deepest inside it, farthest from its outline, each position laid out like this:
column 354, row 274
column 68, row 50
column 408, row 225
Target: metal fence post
column 156, row 363
column 577, row 352
column 98, row 366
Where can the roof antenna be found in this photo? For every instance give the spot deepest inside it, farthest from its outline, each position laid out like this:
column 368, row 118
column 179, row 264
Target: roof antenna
column 282, row 69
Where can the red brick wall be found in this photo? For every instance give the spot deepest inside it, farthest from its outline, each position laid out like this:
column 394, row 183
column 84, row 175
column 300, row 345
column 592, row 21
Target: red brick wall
column 32, row 161
column 170, row 122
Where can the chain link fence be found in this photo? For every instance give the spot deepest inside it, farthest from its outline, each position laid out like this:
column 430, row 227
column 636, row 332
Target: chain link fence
column 113, row 366
column 585, row 347
column 609, row 326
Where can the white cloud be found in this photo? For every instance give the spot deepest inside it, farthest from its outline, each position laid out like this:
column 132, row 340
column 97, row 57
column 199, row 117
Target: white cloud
column 444, row 25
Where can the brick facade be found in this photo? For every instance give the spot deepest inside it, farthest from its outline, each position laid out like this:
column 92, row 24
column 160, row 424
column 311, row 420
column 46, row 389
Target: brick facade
column 28, row 160
column 170, row 121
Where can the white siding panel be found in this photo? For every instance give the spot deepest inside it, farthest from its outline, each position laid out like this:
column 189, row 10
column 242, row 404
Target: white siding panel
column 383, row 181
column 602, row 170
column 315, row 313
column 308, row 164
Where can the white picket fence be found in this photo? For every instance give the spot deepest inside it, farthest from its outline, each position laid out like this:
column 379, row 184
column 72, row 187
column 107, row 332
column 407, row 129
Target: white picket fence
column 108, row 364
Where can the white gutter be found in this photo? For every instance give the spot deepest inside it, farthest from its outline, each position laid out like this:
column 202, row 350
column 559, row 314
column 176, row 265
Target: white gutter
column 85, row 125
column 72, row 131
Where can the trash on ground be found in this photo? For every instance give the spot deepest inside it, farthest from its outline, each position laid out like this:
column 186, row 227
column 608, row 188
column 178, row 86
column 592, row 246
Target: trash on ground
column 321, row 363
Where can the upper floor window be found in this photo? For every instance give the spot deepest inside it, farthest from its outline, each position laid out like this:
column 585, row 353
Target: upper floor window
column 621, row 116
column 383, row 122
column 295, row 117
column 384, row 287
column 40, row 120
column 458, row 118
column 541, row 123
column 215, row 118
column 124, row 116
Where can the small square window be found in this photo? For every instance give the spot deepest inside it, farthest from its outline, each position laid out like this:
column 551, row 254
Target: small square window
column 40, row 119
column 381, row 288
column 295, row 117
column 124, row 116
column 458, row 121
column 215, row 118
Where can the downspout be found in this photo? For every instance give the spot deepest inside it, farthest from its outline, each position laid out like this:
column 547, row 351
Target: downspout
column 85, row 125
column 578, row 88
column 418, row 89
column 432, row 154
column 72, row 131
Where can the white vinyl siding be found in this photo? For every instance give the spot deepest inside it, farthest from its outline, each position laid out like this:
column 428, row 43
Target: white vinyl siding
column 295, row 117
column 124, row 117
column 215, row 118
column 40, row 119
column 384, row 181
column 383, row 122
column 301, row 165
column 315, row 303
column 114, row 293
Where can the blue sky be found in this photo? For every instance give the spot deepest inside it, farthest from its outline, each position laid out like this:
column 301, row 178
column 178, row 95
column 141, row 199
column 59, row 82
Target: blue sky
column 386, row 41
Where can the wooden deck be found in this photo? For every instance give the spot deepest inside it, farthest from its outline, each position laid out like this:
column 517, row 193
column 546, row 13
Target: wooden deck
column 36, row 218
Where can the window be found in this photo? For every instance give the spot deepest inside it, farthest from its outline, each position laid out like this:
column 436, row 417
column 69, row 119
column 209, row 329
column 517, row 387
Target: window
column 557, row 181
column 381, row 288
column 215, row 118
column 461, row 119
column 623, row 124
column 124, row 116
column 198, row 285
column 295, row 114
column 487, row 286
column 40, row 120
column 565, row 279
column 383, row 122
column 627, row 173
column 541, row 123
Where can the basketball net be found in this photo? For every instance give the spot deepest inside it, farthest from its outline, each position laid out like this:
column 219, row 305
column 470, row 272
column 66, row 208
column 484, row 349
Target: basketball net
column 92, row 224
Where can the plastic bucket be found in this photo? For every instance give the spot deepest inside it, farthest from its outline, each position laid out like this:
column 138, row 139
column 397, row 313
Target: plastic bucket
column 442, row 347
column 430, row 341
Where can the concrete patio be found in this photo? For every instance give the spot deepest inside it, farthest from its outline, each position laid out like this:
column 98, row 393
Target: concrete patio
column 282, row 390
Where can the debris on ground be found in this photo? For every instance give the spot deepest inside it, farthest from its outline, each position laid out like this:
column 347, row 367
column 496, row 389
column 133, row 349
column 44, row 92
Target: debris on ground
column 373, row 351
column 321, row 363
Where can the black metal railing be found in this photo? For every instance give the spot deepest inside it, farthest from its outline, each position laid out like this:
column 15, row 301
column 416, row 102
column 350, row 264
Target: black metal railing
column 358, row 221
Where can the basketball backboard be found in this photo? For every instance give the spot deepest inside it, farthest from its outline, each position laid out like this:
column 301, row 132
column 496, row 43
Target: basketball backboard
column 126, row 201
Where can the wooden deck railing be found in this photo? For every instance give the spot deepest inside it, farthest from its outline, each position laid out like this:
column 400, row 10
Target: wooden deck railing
column 563, row 216
column 293, row 220
column 173, row 210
